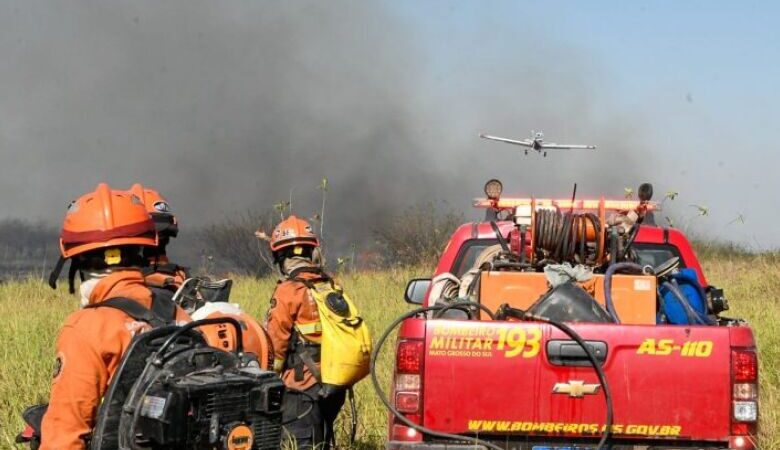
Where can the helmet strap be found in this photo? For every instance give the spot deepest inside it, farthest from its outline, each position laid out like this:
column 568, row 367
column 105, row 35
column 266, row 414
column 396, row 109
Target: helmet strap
column 54, row 275
column 74, row 267
column 72, row 270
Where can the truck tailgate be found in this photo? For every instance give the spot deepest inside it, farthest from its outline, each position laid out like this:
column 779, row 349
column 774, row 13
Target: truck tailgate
column 525, row 378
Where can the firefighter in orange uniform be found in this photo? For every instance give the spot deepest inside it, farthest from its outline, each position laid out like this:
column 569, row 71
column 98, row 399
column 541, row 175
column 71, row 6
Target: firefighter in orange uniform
column 294, row 326
column 162, row 274
column 103, row 235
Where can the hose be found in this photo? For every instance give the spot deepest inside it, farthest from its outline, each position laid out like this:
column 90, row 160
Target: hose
column 661, row 306
column 383, row 396
column 563, row 237
column 353, row 413
column 466, row 306
column 312, row 401
column 500, row 237
column 596, row 366
column 608, row 284
column 474, row 440
column 693, row 316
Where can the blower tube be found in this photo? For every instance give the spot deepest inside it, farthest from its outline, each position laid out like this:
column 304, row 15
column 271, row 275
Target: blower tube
column 470, row 305
column 608, row 284
column 693, row 316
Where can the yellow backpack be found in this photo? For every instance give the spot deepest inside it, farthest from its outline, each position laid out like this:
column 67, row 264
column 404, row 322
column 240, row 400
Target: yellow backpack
column 345, row 349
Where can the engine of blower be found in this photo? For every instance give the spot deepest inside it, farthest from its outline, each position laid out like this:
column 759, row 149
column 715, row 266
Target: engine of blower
column 233, row 409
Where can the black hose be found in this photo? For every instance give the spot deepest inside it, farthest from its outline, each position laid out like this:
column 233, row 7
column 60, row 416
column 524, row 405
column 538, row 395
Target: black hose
column 500, row 237
column 632, row 234
column 528, row 317
column 466, row 306
column 383, row 396
column 693, row 316
column 608, row 284
column 613, row 246
column 661, row 305
column 596, row 366
column 596, row 223
column 563, row 237
column 522, row 244
column 583, row 230
column 353, row 413
column 312, row 401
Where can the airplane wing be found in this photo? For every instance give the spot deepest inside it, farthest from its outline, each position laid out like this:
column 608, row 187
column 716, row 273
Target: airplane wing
column 525, row 142
column 552, row 146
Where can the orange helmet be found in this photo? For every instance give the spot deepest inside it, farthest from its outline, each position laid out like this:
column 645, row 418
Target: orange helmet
column 157, row 207
column 105, row 218
column 293, row 231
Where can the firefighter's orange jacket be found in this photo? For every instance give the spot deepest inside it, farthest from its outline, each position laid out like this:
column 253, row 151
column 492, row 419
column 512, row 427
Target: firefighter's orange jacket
column 89, row 349
column 292, row 305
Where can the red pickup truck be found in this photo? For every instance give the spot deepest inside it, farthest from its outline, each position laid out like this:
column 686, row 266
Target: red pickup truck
column 522, row 385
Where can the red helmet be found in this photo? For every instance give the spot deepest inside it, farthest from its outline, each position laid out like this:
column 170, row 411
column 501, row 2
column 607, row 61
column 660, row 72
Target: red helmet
column 157, row 207
column 293, row 231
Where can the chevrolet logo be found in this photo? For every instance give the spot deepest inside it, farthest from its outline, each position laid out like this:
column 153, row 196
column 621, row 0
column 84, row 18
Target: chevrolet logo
column 576, row 389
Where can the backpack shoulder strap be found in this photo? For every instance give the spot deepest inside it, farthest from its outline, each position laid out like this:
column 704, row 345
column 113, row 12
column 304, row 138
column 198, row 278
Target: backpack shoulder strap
column 163, row 305
column 133, row 309
column 315, row 270
column 309, row 282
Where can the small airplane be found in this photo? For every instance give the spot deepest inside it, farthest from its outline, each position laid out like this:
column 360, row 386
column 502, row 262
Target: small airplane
column 538, row 144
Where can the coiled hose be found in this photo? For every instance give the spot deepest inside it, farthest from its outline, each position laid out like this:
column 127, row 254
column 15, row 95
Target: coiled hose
column 694, row 317
column 470, row 306
column 563, row 237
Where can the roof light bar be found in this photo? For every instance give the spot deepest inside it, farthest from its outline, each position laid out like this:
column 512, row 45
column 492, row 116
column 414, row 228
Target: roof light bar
column 612, row 205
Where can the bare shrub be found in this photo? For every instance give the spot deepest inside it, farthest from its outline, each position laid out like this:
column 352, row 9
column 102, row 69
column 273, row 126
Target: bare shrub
column 231, row 244
column 417, row 235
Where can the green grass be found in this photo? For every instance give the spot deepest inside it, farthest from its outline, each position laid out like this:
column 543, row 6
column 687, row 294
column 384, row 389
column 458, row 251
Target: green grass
column 752, row 285
column 32, row 313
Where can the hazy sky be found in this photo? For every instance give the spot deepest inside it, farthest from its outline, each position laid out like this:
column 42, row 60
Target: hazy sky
column 226, row 106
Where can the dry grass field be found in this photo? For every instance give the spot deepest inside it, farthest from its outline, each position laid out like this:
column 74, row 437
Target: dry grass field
column 31, row 314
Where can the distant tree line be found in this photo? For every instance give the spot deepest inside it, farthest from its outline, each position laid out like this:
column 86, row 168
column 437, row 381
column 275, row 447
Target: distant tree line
column 414, row 236
column 27, row 247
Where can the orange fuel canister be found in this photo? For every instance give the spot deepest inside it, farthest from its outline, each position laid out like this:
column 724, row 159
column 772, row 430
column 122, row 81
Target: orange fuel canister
column 634, row 296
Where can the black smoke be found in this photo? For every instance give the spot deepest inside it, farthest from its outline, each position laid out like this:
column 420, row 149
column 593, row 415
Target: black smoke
column 233, row 106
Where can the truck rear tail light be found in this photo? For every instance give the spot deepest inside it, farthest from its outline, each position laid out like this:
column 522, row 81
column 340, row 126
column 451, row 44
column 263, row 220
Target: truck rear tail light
column 745, row 411
column 407, row 402
column 742, row 442
column 407, row 382
column 407, row 388
column 745, row 391
column 409, row 357
column 744, row 381
column 744, row 366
